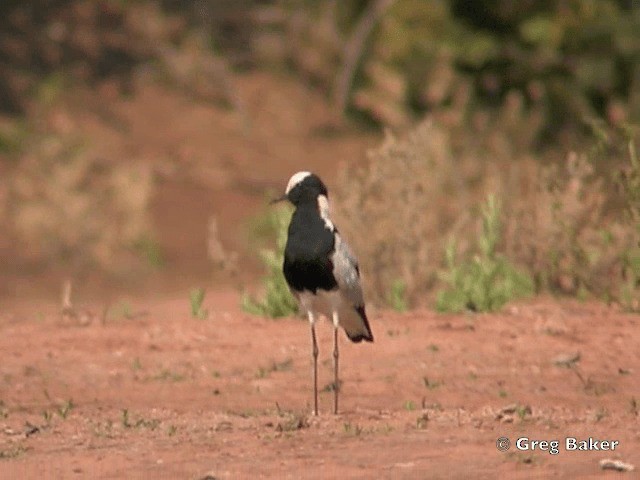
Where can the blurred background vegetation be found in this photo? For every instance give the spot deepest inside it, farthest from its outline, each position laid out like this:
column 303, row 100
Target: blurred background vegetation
column 483, row 97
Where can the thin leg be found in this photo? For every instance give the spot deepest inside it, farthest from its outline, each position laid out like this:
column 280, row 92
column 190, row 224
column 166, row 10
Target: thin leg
column 336, row 380
column 314, row 353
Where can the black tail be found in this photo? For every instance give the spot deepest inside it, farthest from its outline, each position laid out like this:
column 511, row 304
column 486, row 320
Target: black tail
column 363, row 333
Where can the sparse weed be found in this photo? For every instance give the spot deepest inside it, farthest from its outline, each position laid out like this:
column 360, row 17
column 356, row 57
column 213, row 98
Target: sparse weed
column 47, row 416
column 331, row 386
column 430, row 384
column 168, row 375
column 522, row 411
column 12, row 452
column 150, row 250
column 352, row 429
column 139, row 423
column 422, row 421
column 600, row 414
column 397, row 297
column 292, row 421
column 196, row 299
column 277, row 300
column 283, row 366
column 489, row 280
column 409, row 405
column 103, row 429
column 65, row 409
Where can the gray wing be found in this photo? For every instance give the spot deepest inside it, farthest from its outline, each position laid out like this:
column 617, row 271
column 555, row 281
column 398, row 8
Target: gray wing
column 347, row 273
column 352, row 315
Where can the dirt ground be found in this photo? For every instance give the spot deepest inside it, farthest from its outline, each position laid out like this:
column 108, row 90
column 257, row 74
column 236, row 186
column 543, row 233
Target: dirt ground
column 154, row 393
column 147, row 391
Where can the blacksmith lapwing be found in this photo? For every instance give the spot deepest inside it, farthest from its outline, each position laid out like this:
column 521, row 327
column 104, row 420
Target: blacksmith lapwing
column 321, row 270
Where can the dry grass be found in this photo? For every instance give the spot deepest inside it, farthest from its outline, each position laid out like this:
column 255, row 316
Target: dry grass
column 566, row 224
column 64, row 205
column 401, row 207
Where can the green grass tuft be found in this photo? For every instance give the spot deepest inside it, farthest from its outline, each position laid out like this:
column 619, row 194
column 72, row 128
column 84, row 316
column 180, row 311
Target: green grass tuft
column 277, row 300
column 196, row 298
column 487, row 281
column 397, row 296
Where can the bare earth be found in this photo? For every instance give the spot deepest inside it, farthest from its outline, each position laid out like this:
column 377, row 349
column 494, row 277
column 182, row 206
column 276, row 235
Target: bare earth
column 164, row 395
column 150, row 392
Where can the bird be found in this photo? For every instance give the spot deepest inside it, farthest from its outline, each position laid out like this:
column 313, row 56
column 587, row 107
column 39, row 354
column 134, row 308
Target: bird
column 321, row 271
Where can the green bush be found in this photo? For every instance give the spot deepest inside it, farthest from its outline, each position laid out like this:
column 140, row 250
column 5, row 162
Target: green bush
column 488, row 280
column 277, row 300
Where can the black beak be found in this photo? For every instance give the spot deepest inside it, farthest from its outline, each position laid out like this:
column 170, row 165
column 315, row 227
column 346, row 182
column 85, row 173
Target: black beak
column 279, row 199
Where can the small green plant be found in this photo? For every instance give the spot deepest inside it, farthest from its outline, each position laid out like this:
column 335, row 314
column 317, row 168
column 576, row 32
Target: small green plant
column 601, row 413
column 502, row 393
column 331, row 386
column 12, row 452
column 489, row 280
column 430, row 384
column 351, row 429
column 522, row 411
column 149, row 249
column 65, row 408
column 409, row 405
column 139, row 423
column 397, row 296
column 283, row 366
column 47, row 415
column 170, row 376
column 292, row 421
column 125, row 419
column 196, row 298
column 422, row 421
column 277, row 301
